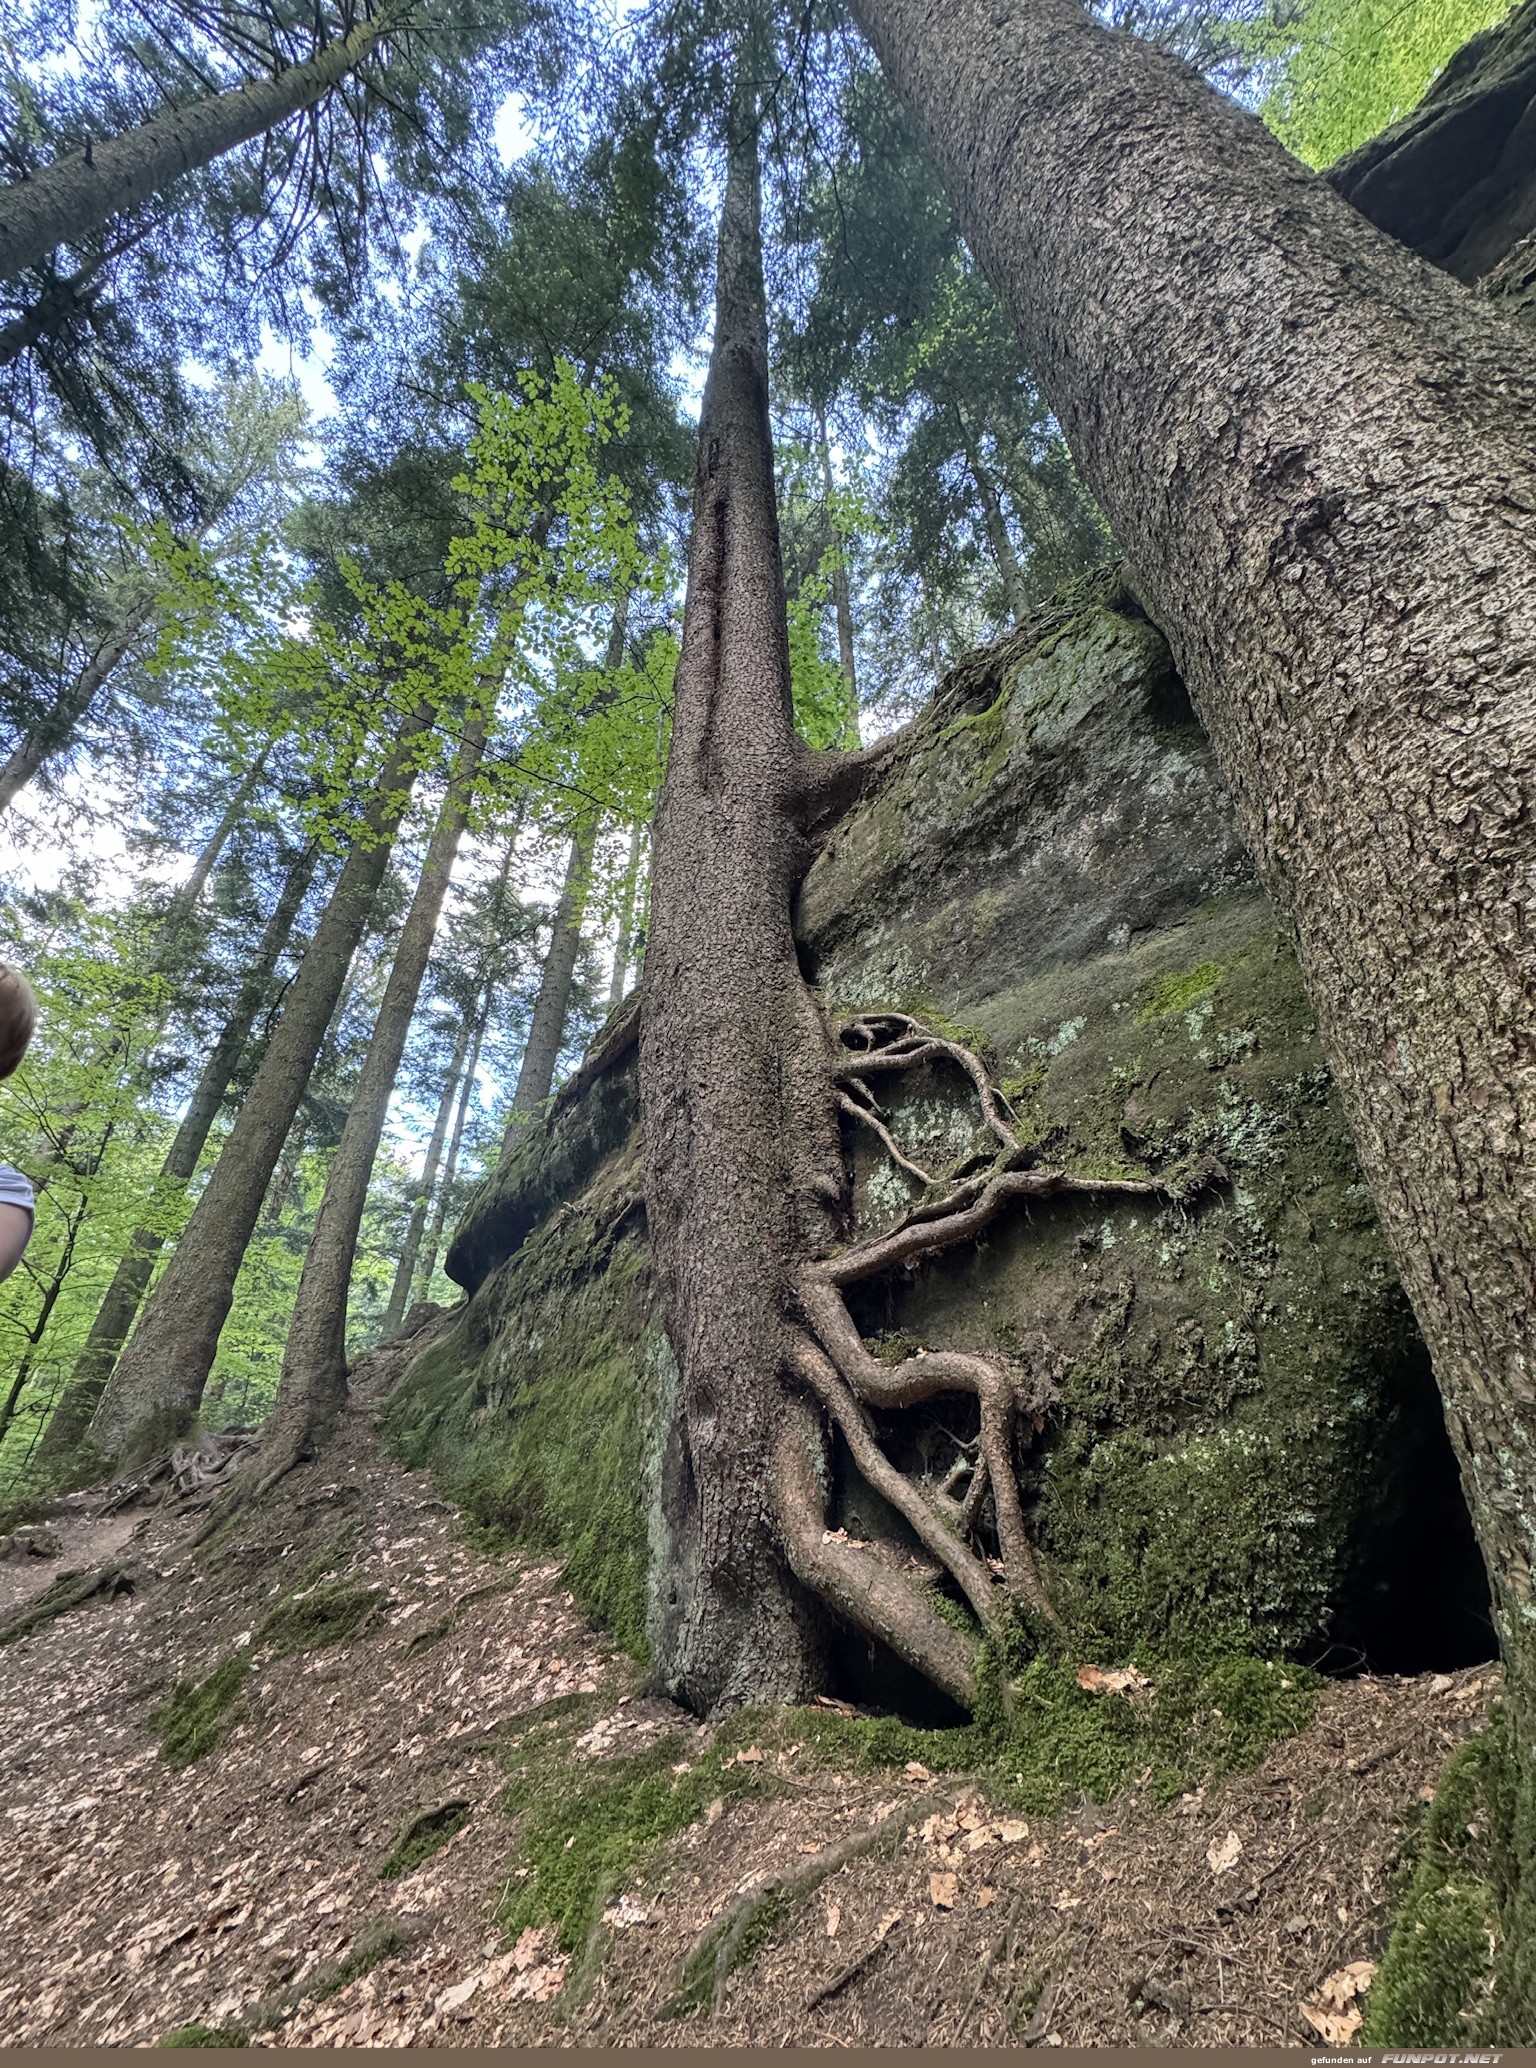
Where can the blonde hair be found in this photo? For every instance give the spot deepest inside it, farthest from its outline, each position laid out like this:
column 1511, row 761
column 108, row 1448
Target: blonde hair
column 18, row 1016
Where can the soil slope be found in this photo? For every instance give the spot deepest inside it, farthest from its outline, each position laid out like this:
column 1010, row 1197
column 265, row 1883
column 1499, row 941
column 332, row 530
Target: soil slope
column 137, row 1896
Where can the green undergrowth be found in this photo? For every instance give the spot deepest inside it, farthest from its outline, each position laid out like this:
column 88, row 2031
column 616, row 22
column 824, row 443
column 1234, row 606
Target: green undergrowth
column 587, row 1827
column 198, row 1714
column 423, row 1836
column 1460, row 1966
column 206, row 2035
column 332, row 1614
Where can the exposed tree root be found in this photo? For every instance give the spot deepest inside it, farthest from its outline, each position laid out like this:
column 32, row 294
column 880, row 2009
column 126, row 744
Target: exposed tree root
column 727, row 1938
column 830, row 1362
column 69, row 1591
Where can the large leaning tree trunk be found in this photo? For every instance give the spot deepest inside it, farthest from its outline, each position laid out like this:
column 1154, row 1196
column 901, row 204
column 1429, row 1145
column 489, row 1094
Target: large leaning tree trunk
column 77, row 193
column 313, row 1386
column 155, row 1390
column 123, row 1297
column 744, row 1090
column 1319, row 455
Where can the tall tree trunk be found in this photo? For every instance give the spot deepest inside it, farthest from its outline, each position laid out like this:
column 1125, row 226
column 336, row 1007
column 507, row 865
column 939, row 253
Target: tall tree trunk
column 185, row 902
column 74, row 195
column 1319, row 455
column 115, row 1316
column 57, row 728
column 624, row 940
column 741, row 1143
column 469, row 1026
column 313, row 1385
column 153, row 1394
column 421, row 1206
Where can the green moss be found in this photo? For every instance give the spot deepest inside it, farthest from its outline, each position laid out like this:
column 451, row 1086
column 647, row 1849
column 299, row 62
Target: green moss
column 1458, row 1967
column 586, row 1826
column 206, row 2035
column 1177, row 991
column 331, row 1614
column 197, row 1714
column 550, row 1459
column 423, row 1836
column 1039, row 1739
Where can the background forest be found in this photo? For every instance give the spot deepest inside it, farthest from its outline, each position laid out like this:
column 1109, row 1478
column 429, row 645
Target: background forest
column 344, row 487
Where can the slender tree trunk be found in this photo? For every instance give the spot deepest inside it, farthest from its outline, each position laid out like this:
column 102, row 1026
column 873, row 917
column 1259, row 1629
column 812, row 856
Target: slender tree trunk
column 313, row 1385
column 625, row 940
column 74, row 195
column 44, row 1315
column 153, row 1394
column 410, row 1248
column 1319, row 455
column 998, row 534
column 455, row 1147
column 842, row 600
column 469, row 1031
column 57, row 728
column 120, row 1305
column 546, row 1029
column 187, row 896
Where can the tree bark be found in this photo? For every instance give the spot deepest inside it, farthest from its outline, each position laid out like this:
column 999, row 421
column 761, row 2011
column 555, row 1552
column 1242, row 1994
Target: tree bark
column 842, row 599
column 313, row 1386
column 77, row 193
column 153, row 1394
column 451, row 1166
column 120, row 1304
column 1318, row 454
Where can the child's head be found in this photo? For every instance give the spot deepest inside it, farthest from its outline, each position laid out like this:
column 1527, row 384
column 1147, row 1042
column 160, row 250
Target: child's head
column 18, row 1016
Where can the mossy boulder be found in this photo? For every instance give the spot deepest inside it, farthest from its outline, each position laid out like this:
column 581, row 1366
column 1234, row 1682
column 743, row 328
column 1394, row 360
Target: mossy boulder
column 1051, row 871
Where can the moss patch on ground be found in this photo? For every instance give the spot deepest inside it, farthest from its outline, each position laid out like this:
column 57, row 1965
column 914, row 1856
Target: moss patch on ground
column 423, row 1836
column 332, row 1614
column 1040, row 1738
column 585, row 1827
column 206, row 2035
column 198, row 1714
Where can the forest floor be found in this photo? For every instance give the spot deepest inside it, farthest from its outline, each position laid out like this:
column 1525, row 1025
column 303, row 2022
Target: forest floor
column 391, row 1678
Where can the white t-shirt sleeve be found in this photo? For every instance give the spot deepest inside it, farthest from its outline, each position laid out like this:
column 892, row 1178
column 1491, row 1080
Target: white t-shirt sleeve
column 15, row 1190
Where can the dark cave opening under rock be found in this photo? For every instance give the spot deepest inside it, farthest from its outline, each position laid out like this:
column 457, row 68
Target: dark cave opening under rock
column 1416, row 1597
